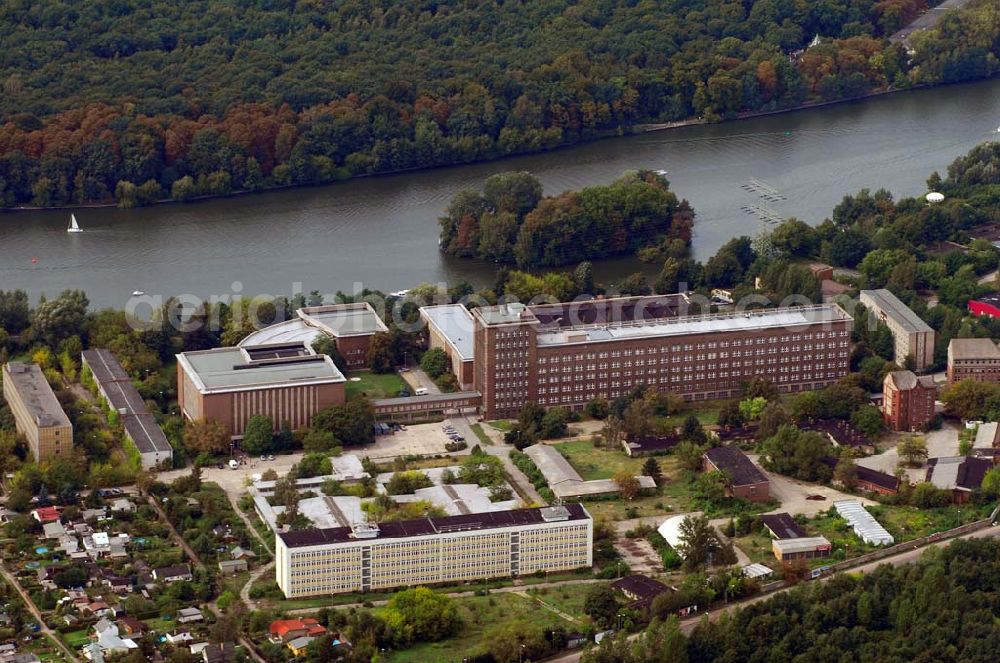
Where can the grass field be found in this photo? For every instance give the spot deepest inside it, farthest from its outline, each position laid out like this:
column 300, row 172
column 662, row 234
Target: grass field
column 374, row 385
column 480, row 614
column 597, row 462
column 481, row 434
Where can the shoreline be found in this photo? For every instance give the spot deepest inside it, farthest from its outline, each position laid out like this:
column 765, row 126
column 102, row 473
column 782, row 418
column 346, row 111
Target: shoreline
column 632, row 130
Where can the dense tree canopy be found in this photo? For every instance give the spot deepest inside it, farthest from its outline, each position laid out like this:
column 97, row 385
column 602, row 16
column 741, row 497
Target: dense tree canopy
column 137, row 100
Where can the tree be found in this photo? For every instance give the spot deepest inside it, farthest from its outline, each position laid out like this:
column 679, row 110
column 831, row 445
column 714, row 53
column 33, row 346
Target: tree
column 554, row 423
column 601, row 605
column 651, row 468
column 771, row 419
column 627, row 484
column 689, row 455
column 60, row 318
column 991, row 483
column 698, row 542
column 435, row 363
column 912, row 450
column 420, row 614
column 846, row 472
column 381, row 356
column 350, row 423
column 730, row 415
column 868, row 421
column 597, row 408
column 613, row 431
column 325, row 345
column 797, row 454
column 752, row 408
column 692, row 430
column 206, row 436
column 258, row 436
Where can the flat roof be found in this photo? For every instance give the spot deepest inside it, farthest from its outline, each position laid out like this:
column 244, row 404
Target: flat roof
column 454, row 322
column 757, row 320
column 449, row 397
column 973, row 348
column 897, row 310
column 357, row 319
column 609, row 310
column 231, row 369
column 290, row 331
column 433, row 526
column 35, row 393
column 804, row 544
column 104, row 366
column 146, row 433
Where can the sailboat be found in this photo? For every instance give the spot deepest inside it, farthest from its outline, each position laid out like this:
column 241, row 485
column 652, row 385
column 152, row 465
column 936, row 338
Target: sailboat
column 74, row 227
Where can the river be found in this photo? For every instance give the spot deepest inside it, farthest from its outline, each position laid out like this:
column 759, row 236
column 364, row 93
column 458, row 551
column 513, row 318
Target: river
column 382, row 232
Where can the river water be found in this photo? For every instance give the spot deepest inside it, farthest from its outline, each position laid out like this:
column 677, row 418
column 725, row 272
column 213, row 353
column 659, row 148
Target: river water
column 382, row 232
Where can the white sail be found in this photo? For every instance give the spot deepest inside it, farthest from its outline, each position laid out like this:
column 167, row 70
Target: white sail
column 74, row 227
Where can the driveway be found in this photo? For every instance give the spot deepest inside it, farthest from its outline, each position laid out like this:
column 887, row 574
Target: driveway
column 792, row 494
column 940, row 443
column 928, row 19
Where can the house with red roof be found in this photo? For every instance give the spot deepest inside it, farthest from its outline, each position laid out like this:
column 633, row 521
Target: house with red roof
column 286, row 630
column 46, row 514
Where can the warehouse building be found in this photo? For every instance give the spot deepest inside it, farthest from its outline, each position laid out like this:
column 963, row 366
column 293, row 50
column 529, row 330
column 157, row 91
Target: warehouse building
column 369, row 556
column 287, row 382
column 38, row 416
column 912, row 336
column 568, row 354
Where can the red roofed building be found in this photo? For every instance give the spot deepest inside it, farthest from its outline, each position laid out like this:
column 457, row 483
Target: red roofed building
column 987, row 305
column 46, row 514
column 285, row 630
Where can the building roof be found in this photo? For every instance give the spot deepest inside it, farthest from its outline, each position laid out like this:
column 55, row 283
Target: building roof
column 893, row 308
column 756, row 570
column 642, row 587
column 454, row 323
column 171, row 571
column 147, row 435
column 233, row 369
column 986, row 435
column 358, row 319
column 652, row 444
column 750, row 321
column 609, row 310
column 281, row 627
column 432, row 526
column 973, row 348
column 867, row 475
column 741, row 470
column 104, row 366
column 905, row 380
column 36, row 394
column 782, row 526
column 864, row 524
column 803, row 544
column 964, row 473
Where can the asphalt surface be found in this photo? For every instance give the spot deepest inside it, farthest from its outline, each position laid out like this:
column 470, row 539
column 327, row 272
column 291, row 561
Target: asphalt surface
column 928, row 19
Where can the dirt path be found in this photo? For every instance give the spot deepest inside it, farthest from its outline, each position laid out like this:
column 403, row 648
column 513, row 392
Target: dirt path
column 188, row 550
column 37, row 614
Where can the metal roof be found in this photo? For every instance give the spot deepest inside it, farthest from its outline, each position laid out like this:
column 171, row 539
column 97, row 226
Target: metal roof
column 804, row 544
column 230, row 369
column 864, row 524
column 356, row 319
column 893, row 308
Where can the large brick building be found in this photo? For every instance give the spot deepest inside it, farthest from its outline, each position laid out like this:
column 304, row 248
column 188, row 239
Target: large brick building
column 287, row 382
column 37, row 413
column 912, row 336
column 478, row 546
column 744, row 480
column 908, row 400
column 568, row 354
column 975, row 359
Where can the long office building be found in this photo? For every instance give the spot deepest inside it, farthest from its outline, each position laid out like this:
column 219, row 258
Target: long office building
column 568, row 354
column 478, row 546
column 912, row 336
column 287, row 382
column 37, row 413
column 116, row 389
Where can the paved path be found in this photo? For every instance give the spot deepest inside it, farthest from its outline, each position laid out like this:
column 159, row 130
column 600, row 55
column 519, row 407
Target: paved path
column 37, row 614
column 511, row 589
column 501, row 450
column 928, row 19
column 906, row 557
column 250, row 603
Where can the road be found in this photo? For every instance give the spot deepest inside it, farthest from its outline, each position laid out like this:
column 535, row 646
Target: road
column 928, row 19
column 905, row 557
column 36, row 613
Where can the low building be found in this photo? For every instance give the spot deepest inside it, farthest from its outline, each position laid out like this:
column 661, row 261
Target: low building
column 228, row 567
column 782, row 526
column 976, row 359
column 566, row 483
column 988, row 305
column 115, row 387
column 868, row 479
column 960, row 474
column 744, row 480
column 908, row 400
column 289, row 383
column 172, row 573
column 640, row 590
column 807, row 547
column 189, row 615
column 863, row 523
column 911, row 335
column 479, row 546
column 38, row 415
column 450, row 327
column 286, row 630
column 650, row 445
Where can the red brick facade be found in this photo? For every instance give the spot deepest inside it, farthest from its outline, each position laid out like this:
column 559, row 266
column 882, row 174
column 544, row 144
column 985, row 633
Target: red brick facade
column 908, row 401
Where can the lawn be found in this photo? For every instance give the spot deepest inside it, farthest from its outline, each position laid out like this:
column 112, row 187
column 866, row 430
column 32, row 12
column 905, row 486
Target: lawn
column 480, row 614
column 567, row 598
column 597, row 462
column 481, row 434
column 374, row 385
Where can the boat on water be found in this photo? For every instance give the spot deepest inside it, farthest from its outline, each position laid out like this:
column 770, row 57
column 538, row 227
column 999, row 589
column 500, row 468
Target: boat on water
column 74, row 227
column 661, row 172
column 138, row 293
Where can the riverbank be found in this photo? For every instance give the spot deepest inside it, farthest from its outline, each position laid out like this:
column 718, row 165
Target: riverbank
column 620, row 132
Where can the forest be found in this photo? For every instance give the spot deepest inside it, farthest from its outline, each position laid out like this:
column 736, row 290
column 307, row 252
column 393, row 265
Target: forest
column 135, row 101
column 940, row 609
column 510, row 222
